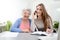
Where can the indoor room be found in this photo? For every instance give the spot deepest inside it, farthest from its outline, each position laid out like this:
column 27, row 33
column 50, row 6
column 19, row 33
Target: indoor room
column 16, row 12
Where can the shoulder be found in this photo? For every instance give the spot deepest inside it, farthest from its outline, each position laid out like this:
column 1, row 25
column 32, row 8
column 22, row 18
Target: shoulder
column 49, row 18
column 19, row 19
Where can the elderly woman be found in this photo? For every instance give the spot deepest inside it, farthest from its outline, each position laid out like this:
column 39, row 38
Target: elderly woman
column 22, row 24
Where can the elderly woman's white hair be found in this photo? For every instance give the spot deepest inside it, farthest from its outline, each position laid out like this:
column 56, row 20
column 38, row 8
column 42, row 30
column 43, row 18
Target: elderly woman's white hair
column 27, row 10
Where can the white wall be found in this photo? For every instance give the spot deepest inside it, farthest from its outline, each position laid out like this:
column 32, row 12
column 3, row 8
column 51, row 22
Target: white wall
column 11, row 9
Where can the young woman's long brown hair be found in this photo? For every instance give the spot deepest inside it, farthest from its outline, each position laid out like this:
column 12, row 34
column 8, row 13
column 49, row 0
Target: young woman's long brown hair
column 45, row 17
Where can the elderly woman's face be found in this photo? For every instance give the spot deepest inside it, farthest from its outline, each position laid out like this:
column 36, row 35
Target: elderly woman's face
column 26, row 13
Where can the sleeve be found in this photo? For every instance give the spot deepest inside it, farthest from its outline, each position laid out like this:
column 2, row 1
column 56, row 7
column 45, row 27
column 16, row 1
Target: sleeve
column 33, row 26
column 15, row 26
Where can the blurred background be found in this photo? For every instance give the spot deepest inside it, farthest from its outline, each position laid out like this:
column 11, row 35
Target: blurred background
column 11, row 10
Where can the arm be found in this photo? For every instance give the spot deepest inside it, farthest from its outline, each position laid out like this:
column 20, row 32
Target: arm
column 50, row 24
column 33, row 26
column 15, row 26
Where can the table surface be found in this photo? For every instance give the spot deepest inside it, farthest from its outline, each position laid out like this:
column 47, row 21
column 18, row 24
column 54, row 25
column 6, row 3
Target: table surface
column 27, row 36
column 21, row 36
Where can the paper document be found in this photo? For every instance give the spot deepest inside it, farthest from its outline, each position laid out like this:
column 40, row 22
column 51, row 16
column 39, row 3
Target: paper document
column 39, row 32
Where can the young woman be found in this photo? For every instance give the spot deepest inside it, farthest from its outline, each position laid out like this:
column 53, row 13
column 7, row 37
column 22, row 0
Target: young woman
column 22, row 24
column 42, row 21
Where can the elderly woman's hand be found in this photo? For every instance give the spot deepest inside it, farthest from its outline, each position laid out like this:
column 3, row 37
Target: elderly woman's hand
column 26, row 31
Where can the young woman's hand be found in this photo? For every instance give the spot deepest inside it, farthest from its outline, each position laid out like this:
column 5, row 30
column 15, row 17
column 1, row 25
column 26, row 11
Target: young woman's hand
column 34, row 16
column 49, row 30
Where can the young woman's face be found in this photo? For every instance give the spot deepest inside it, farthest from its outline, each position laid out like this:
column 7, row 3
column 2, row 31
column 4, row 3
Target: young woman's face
column 26, row 14
column 39, row 10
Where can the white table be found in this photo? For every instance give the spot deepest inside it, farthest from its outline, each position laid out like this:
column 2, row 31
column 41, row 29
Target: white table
column 24, row 36
column 9, row 34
